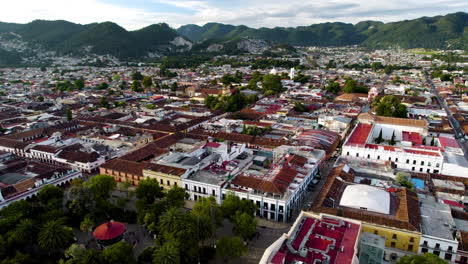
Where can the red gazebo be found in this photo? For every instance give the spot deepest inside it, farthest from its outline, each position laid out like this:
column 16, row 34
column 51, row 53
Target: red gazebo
column 109, row 233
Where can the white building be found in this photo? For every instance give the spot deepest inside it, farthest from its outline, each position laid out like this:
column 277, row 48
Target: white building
column 438, row 229
column 279, row 191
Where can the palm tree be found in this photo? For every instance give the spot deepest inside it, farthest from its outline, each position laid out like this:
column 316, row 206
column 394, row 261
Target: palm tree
column 87, row 224
column 54, row 236
column 172, row 221
column 168, row 253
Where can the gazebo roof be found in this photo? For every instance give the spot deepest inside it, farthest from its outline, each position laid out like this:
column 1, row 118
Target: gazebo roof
column 109, row 230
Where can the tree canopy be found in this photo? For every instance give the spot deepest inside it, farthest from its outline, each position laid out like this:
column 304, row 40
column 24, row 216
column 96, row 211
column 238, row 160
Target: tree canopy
column 389, row 105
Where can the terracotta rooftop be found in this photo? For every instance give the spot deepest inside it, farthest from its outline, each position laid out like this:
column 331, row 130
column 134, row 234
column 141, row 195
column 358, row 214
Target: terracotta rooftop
column 392, row 120
column 406, row 213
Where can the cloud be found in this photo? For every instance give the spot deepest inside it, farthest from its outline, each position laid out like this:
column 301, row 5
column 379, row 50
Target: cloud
column 253, row 13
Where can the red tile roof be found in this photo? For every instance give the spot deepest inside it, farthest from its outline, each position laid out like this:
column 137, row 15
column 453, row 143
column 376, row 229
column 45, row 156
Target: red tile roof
column 360, row 134
column 109, row 230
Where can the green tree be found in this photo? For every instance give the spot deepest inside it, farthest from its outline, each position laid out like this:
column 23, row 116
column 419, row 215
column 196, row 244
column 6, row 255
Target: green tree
column 230, row 248
column 116, row 78
column 426, row 258
column 300, row 107
column 333, row 87
column 78, row 254
column 81, row 199
column 233, row 204
column 174, row 86
column 389, row 105
column 271, row 82
column 245, row 225
column 147, row 82
column 148, row 190
column 51, row 196
column 79, row 84
column 172, row 223
column 136, row 87
column 379, row 139
column 176, row 197
column 24, row 232
column 137, row 76
column 87, row 224
column 119, row 253
column 54, row 236
column 103, row 102
column 69, row 115
column 40, row 98
column 102, row 186
column 392, row 140
column 404, row 179
column 103, row 86
column 351, row 86
column 168, row 253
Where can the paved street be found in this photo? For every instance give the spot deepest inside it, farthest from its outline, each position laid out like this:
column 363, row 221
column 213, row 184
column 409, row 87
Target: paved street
column 459, row 134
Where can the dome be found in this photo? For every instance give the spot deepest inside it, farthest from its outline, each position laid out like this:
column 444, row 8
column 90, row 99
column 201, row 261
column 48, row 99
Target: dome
column 109, row 230
column 366, row 197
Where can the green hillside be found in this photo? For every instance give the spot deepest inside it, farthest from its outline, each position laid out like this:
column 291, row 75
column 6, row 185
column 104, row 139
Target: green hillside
column 427, row 32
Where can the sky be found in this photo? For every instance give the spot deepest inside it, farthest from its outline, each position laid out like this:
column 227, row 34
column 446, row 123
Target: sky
column 136, row 14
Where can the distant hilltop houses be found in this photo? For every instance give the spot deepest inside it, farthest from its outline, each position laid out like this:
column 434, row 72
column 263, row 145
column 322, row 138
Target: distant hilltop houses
column 357, row 155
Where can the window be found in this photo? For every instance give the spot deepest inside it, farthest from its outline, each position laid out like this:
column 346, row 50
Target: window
column 161, row 181
column 436, row 252
column 390, row 158
column 175, row 184
column 396, row 159
column 425, row 243
column 368, row 156
column 428, row 170
column 414, row 162
column 411, row 240
column 392, row 244
column 347, row 153
column 448, row 256
column 422, row 163
column 376, row 232
column 429, row 164
column 437, row 245
column 407, row 161
column 420, row 169
column 424, row 250
column 168, row 183
column 204, row 190
column 186, row 187
column 280, row 208
column 272, row 207
column 413, row 169
column 378, row 157
column 410, row 247
column 357, row 155
column 213, row 192
column 450, row 248
column 394, row 236
column 437, row 165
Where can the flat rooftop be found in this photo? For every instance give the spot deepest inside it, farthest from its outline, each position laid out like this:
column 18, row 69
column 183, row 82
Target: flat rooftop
column 436, row 219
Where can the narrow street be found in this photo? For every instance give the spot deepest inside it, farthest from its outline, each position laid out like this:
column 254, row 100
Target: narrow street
column 459, row 134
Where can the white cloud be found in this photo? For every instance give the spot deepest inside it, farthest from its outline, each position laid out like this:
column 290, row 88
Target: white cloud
column 254, row 13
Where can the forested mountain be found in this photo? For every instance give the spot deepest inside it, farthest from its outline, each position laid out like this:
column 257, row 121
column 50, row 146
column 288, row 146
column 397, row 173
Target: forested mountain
column 449, row 31
column 65, row 37
column 33, row 42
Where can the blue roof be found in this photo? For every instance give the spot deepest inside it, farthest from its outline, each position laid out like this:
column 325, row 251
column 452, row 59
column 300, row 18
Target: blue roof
column 418, row 183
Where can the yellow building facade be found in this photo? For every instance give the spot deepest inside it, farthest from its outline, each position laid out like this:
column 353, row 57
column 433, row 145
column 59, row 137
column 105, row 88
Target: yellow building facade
column 395, row 238
column 166, row 179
